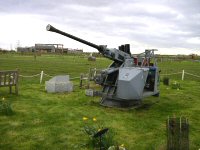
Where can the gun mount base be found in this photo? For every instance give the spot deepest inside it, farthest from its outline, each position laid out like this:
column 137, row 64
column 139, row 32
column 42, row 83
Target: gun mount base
column 120, row 103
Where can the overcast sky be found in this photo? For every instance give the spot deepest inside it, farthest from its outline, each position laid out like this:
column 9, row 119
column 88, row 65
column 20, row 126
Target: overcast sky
column 171, row 26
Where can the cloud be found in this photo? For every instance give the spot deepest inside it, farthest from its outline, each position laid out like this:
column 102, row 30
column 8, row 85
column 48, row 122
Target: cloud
column 161, row 24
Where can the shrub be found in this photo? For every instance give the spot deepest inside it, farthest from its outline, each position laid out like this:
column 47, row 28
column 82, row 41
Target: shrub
column 166, row 81
column 5, row 107
column 176, row 85
column 91, row 128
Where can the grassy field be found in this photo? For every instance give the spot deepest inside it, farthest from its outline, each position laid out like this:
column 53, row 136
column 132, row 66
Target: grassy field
column 54, row 121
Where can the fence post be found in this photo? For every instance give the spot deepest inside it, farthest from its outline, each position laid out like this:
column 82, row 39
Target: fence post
column 177, row 133
column 183, row 72
column 81, row 80
column 41, row 76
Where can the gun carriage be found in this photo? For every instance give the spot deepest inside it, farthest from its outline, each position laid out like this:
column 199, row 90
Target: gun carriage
column 128, row 79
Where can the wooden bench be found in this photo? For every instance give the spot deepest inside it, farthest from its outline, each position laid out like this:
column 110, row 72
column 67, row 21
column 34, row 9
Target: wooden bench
column 9, row 78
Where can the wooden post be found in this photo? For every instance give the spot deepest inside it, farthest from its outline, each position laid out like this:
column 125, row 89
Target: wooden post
column 89, row 78
column 177, row 134
column 183, row 72
column 81, row 81
column 41, row 76
column 10, row 76
column 16, row 84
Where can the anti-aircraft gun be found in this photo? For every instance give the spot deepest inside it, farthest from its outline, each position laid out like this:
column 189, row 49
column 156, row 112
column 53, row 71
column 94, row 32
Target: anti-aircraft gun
column 128, row 79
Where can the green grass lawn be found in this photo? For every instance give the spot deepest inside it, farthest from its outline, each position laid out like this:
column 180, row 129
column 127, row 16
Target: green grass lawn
column 54, row 121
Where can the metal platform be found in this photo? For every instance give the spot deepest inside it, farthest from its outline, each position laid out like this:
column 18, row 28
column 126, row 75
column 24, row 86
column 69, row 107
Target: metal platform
column 120, row 103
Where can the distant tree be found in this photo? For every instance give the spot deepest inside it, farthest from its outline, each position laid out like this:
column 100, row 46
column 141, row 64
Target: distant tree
column 193, row 56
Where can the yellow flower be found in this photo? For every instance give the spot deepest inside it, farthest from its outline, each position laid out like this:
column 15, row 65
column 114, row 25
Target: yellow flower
column 85, row 118
column 122, row 145
column 94, row 119
column 99, row 130
column 3, row 98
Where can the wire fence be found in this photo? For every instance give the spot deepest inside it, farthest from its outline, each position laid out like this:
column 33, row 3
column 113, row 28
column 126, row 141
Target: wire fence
column 183, row 75
column 41, row 75
column 25, row 76
column 179, row 75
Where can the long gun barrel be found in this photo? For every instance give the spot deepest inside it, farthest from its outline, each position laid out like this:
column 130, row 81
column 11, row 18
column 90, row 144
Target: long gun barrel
column 113, row 54
column 53, row 29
